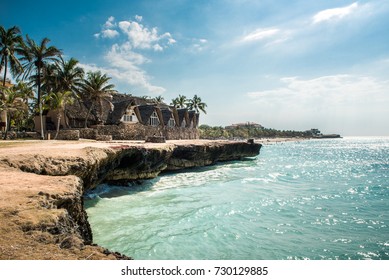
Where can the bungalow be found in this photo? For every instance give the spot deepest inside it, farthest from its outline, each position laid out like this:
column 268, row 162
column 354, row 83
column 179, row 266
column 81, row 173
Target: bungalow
column 129, row 117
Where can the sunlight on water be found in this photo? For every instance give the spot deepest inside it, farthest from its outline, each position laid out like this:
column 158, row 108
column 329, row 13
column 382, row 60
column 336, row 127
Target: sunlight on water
column 317, row 199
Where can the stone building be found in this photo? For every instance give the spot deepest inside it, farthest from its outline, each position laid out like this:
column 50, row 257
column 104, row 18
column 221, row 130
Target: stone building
column 127, row 117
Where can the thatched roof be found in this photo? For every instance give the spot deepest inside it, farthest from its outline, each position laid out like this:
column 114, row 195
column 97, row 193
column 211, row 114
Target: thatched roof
column 192, row 114
column 119, row 110
column 120, row 97
column 166, row 115
column 122, row 101
column 77, row 110
column 145, row 112
column 182, row 114
column 143, row 109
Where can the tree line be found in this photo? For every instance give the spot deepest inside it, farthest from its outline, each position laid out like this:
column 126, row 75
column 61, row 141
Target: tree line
column 245, row 132
column 46, row 81
column 182, row 101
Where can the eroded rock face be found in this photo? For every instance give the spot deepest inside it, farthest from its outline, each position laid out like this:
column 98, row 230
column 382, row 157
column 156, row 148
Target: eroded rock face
column 200, row 155
column 42, row 207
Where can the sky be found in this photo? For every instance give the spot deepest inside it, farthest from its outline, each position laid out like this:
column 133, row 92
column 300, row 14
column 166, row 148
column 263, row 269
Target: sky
column 288, row 65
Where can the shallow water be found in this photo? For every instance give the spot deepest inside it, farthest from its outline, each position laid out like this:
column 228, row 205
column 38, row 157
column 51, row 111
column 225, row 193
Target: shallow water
column 316, row 199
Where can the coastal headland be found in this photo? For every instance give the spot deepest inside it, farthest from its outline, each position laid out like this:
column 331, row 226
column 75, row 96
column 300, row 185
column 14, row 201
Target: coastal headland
column 42, row 184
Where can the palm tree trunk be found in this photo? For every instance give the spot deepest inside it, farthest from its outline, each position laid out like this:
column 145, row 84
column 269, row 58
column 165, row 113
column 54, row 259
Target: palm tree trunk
column 58, row 124
column 101, row 111
column 3, row 97
column 65, row 118
column 8, row 121
column 87, row 115
column 40, row 103
column 5, row 70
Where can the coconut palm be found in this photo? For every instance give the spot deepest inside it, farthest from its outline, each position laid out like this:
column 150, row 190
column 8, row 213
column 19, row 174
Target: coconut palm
column 36, row 58
column 180, row 101
column 10, row 41
column 12, row 103
column 97, row 90
column 70, row 76
column 196, row 104
column 57, row 101
column 159, row 99
column 25, row 91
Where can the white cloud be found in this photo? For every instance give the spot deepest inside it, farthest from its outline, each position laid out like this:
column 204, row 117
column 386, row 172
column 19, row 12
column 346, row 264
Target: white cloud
column 260, row 34
column 108, row 29
column 142, row 37
column 109, row 33
column 124, row 56
column 136, row 77
column 329, row 89
column 125, row 60
column 198, row 45
column 138, row 35
column 126, row 64
column 334, row 14
column 338, row 102
column 110, row 23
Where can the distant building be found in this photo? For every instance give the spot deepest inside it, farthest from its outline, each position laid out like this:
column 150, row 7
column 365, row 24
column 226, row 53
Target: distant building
column 314, row 132
column 244, row 125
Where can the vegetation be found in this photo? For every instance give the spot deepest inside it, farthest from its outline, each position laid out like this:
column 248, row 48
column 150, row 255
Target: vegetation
column 245, row 132
column 58, row 101
column 13, row 104
column 10, row 41
column 37, row 57
column 45, row 81
column 97, row 89
column 192, row 104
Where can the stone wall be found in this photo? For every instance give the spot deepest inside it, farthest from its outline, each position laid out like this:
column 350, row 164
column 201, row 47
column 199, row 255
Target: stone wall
column 67, row 134
column 88, row 133
column 139, row 132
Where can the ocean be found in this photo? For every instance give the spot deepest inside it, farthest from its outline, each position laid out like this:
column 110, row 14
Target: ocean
column 314, row 199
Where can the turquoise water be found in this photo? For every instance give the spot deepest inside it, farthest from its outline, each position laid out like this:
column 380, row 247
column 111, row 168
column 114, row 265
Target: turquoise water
column 315, row 199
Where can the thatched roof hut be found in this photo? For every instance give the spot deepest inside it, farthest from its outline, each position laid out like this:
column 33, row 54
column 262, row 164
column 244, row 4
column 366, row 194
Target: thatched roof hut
column 183, row 117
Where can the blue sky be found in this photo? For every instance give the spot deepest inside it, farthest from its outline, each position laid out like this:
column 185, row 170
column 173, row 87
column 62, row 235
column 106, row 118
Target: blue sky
column 283, row 64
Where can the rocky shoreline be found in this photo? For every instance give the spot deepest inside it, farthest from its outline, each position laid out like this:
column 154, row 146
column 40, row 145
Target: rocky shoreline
column 42, row 186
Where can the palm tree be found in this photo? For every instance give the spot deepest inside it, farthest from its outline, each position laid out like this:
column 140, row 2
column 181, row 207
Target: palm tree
column 10, row 41
column 58, row 101
column 12, row 103
column 69, row 77
column 159, row 99
column 180, row 101
column 25, row 91
column 97, row 90
column 196, row 104
column 37, row 57
column 146, row 97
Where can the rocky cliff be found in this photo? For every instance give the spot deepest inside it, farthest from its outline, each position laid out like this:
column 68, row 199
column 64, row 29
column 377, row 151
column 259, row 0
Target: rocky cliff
column 42, row 187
